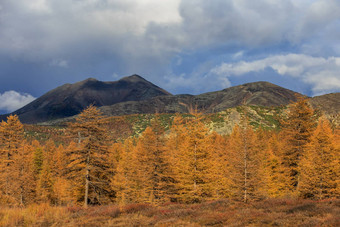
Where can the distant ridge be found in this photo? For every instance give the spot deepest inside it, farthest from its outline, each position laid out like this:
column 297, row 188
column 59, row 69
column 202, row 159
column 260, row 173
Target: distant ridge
column 257, row 93
column 135, row 95
column 70, row 99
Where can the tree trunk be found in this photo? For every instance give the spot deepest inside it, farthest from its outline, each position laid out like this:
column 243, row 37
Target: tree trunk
column 86, row 187
column 245, row 173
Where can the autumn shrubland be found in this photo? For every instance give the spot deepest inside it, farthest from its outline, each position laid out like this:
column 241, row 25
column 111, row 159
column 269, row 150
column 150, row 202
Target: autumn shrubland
column 270, row 212
column 180, row 173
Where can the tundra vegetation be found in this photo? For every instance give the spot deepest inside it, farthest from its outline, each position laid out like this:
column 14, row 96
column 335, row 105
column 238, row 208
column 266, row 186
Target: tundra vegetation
column 180, row 173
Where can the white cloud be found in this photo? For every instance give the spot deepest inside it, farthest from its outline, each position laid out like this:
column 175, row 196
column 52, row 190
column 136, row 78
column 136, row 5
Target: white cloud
column 13, row 100
column 321, row 73
column 59, row 62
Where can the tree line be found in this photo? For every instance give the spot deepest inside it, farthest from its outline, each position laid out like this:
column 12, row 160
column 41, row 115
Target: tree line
column 187, row 163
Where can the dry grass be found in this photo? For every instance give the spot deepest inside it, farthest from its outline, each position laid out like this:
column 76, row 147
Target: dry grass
column 273, row 212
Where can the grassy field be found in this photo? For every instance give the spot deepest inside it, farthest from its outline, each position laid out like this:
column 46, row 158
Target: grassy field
column 273, row 212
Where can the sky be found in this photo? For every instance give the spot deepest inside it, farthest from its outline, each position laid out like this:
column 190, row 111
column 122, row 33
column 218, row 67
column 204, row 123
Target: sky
column 183, row 46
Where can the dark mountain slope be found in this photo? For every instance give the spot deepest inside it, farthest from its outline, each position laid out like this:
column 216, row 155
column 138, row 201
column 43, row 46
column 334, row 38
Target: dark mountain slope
column 135, row 95
column 258, row 93
column 329, row 103
column 70, row 99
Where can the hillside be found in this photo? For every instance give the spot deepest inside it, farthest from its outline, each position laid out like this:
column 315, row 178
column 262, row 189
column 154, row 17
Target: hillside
column 70, row 99
column 135, row 95
column 258, row 94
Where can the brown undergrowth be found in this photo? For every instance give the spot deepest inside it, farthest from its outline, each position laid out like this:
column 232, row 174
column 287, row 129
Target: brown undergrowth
column 272, row 212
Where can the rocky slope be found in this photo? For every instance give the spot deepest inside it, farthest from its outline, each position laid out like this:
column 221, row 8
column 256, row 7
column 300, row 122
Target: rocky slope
column 135, row 95
column 70, row 99
column 258, row 93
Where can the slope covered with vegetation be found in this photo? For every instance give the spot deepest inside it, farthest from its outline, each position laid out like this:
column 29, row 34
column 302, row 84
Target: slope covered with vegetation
column 269, row 154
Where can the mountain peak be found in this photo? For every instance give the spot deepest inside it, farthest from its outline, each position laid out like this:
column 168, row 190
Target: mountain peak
column 90, row 79
column 70, row 99
column 133, row 78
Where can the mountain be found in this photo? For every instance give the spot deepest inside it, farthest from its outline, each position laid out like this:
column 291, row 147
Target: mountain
column 258, row 93
column 135, row 95
column 70, row 99
column 329, row 103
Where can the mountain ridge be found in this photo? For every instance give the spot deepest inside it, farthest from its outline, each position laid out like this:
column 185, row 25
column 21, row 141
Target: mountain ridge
column 135, row 95
column 257, row 93
column 70, row 99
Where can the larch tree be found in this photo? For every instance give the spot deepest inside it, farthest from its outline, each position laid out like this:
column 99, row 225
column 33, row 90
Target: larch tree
column 88, row 163
column 11, row 138
column 297, row 130
column 151, row 166
column 22, row 175
column 243, row 164
column 220, row 167
column 61, row 184
column 38, row 157
column 271, row 171
column 319, row 165
column 337, row 160
column 45, row 184
column 190, row 159
column 124, row 180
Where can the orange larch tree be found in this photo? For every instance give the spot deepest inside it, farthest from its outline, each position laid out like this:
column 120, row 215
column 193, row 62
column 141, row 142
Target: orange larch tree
column 124, row 182
column 319, row 165
column 272, row 171
column 88, row 163
column 189, row 151
column 297, row 130
column 220, row 167
column 16, row 170
column 243, row 164
column 151, row 166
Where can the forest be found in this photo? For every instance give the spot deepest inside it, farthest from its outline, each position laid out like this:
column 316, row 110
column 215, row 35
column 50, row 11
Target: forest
column 185, row 164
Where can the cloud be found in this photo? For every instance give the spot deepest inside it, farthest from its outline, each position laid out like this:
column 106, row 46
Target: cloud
column 38, row 29
column 106, row 37
column 322, row 74
column 59, row 62
column 12, row 100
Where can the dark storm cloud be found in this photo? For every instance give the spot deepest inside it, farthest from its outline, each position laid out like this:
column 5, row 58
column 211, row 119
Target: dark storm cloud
column 184, row 46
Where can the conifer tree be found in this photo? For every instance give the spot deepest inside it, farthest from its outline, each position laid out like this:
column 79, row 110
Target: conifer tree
column 272, row 172
column 11, row 138
column 124, row 180
column 151, row 166
column 190, row 159
column 244, row 164
column 38, row 157
column 220, row 167
column 22, row 175
column 297, row 130
column 88, row 164
column 61, row 185
column 319, row 165
column 45, row 185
